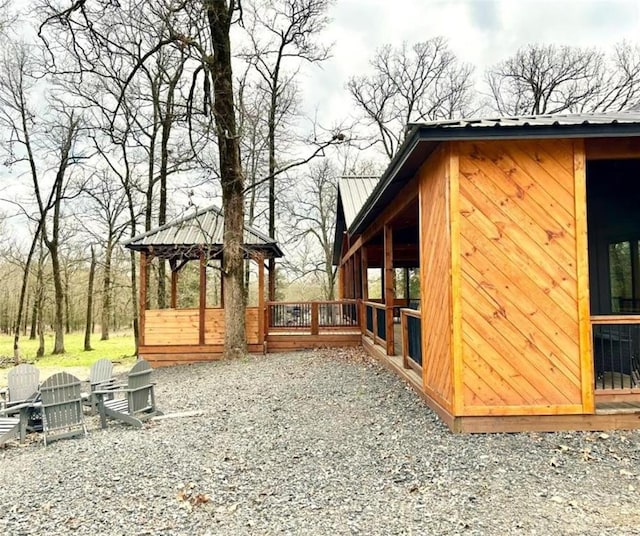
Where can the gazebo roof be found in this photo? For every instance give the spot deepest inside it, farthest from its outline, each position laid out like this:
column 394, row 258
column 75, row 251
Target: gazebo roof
column 187, row 237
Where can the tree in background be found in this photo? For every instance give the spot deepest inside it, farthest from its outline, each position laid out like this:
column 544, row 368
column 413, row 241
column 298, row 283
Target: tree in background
column 312, row 218
column 550, row 79
column 282, row 34
column 422, row 82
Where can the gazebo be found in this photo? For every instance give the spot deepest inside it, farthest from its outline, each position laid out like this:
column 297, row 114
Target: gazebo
column 177, row 334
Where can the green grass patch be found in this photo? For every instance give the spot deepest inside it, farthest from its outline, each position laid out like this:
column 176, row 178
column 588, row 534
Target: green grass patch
column 119, row 348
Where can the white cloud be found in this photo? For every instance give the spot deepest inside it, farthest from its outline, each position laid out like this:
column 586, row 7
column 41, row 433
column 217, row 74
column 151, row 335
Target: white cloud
column 480, row 32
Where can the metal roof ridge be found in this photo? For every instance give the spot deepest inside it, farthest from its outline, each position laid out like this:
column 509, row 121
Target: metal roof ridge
column 196, row 214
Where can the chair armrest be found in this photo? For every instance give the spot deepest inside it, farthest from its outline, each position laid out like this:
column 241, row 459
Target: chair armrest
column 16, row 408
column 110, row 389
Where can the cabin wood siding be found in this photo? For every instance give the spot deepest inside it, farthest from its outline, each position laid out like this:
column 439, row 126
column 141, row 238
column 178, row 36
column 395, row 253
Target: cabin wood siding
column 435, row 278
column 519, row 278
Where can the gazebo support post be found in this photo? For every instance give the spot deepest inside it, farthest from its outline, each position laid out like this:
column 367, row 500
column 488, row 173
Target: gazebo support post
column 261, row 306
column 174, row 286
column 203, row 297
column 143, row 296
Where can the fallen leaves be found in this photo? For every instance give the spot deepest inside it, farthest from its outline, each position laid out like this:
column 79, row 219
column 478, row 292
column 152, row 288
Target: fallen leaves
column 190, row 497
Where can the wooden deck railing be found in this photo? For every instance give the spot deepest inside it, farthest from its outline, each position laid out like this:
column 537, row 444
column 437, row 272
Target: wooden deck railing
column 616, row 352
column 411, row 328
column 376, row 325
column 314, row 317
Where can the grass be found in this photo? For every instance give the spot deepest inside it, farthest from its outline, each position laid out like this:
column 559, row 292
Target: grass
column 119, row 348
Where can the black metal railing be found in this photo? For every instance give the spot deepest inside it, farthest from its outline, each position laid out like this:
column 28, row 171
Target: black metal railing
column 369, row 310
column 314, row 316
column 338, row 314
column 411, row 324
column 616, row 355
column 290, row 315
column 381, row 323
column 414, row 340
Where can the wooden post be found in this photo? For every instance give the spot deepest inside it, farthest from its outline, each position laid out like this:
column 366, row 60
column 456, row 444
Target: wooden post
column 357, row 268
column 174, row 288
column 314, row 318
column 407, row 287
column 389, row 294
column 143, row 296
column 364, row 268
column 203, row 297
column 261, row 309
column 404, row 324
column 341, row 282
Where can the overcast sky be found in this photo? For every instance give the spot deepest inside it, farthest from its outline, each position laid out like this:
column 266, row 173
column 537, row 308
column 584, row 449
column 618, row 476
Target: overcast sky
column 480, row 32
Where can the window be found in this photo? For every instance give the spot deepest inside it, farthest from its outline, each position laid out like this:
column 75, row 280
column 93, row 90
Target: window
column 624, row 276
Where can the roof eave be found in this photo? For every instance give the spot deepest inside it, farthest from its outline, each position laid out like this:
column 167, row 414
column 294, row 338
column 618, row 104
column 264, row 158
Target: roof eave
column 420, row 134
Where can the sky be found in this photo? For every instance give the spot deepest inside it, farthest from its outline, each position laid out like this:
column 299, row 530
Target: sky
column 480, row 32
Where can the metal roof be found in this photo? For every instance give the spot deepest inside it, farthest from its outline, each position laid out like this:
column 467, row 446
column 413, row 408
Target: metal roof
column 557, row 120
column 204, row 229
column 423, row 138
column 354, row 192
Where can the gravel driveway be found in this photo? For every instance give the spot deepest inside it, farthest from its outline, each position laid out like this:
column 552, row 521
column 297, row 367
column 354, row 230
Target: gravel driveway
column 315, row 443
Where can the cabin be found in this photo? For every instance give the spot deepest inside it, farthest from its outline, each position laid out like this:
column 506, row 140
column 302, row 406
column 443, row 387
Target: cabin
column 190, row 327
column 496, row 265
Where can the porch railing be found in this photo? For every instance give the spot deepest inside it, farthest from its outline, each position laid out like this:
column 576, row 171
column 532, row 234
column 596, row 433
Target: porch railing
column 376, row 326
column 616, row 351
column 314, row 317
column 411, row 339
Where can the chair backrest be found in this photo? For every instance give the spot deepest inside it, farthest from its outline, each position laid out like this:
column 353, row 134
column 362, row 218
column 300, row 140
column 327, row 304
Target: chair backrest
column 101, row 371
column 140, row 387
column 22, row 382
column 61, row 403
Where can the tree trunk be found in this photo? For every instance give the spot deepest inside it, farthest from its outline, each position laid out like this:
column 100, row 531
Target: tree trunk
column 106, row 292
column 219, row 17
column 58, row 325
column 67, row 308
column 89, row 317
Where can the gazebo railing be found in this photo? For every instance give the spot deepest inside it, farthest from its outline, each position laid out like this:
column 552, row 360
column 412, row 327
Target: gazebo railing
column 314, row 316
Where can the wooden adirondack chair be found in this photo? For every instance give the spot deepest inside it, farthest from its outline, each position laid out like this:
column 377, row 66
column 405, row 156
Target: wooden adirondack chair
column 137, row 401
column 100, row 378
column 9, row 428
column 22, row 384
column 20, row 395
column 61, row 400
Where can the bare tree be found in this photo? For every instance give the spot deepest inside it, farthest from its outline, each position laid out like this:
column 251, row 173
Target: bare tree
column 549, row 79
column 89, row 315
column 421, row 82
column 312, row 222
column 282, row 34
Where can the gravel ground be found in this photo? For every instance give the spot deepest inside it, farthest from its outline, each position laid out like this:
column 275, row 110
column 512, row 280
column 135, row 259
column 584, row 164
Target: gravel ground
column 315, row 443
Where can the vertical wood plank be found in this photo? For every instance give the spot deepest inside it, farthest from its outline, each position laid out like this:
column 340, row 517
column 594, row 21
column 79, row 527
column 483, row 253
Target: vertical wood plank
column 453, row 192
column 405, row 340
column 203, row 297
column 364, row 261
column 341, row 282
column 174, row 288
column 314, row 318
column 261, row 308
column 582, row 266
column 389, row 294
column 143, row 296
column 357, row 267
